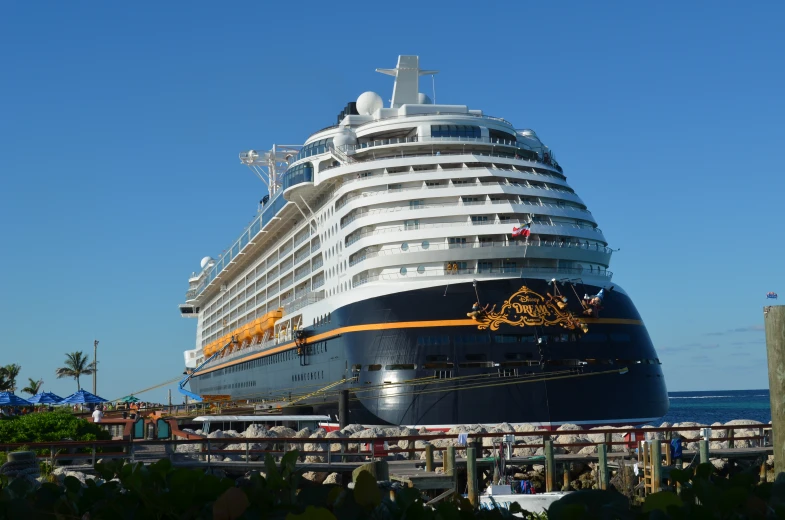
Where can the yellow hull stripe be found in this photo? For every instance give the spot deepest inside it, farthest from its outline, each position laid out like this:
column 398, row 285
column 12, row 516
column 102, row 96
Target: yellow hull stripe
column 387, row 326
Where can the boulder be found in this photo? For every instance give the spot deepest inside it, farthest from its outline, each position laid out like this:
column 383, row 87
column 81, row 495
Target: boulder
column 523, row 452
column 315, row 477
column 333, row 478
column 255, row 431
column 650, row 436
column 283, row 432
column 352, row 428
column 691, row 435
column 232, row 433
column 336, row 447
column 61, row 473
column 303, row 434
column 188, row 451
column 407, row 432
column 286, row 433
column 506, row 427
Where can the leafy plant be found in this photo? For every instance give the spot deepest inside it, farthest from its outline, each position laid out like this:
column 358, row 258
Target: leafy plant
column 49, row 426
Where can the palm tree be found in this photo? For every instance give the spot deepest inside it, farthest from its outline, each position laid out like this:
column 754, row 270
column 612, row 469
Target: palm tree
column 5, row 385
column 33, row 387
column 11, row 372
column 76, row 365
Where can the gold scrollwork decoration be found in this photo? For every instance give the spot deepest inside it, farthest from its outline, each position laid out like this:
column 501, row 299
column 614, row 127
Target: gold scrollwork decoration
column 527, row 308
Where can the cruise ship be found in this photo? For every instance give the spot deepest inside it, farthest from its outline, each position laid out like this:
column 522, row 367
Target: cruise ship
column 430, row 262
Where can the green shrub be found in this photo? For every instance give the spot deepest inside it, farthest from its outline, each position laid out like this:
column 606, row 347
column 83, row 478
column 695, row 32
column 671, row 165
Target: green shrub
column 49, row 426
column 160, row 491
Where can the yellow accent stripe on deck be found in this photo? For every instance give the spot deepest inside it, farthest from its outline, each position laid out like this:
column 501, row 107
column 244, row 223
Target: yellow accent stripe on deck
column 387, row 326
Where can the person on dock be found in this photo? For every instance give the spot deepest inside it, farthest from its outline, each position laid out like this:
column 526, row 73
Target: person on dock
column 98, row 415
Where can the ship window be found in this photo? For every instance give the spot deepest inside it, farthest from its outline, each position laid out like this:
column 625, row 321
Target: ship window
column 484, row 267
column 455, row 131
column 411, row 224
column 420, row 269
column 404, row 246
column 594, row 337
column 400, row 366
column 426, row 244
column 497, row 136
column 403, row 271
column 506, row 338
column 435, row 366
column 476, row 364
column 479, row 219
column 426, row 341
column 314, row 148
column 620, row 337
column 476, row 357
column 436, row 358
column 374, row 368
column 472, row 339
column 356, row 368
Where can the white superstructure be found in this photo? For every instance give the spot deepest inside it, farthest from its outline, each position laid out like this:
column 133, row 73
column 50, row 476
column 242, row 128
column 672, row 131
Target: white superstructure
column 414, row 195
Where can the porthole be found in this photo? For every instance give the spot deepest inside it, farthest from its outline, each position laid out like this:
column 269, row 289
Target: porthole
column 420, row 269
column 405, row 246
column 403, row 271
column 425, row 244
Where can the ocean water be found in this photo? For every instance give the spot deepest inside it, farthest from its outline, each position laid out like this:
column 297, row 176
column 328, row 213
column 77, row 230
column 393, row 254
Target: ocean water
column 718, row 406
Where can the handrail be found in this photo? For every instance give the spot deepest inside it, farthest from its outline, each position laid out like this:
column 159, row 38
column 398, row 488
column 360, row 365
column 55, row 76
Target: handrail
column 505, row 272
column 412, row 248
column 356, row 235
column 361, row 212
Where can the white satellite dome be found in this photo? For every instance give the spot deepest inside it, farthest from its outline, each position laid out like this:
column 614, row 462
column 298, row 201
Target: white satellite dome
column 344, row 138
column 423, row 99
column 205, row 261
column 368, row 103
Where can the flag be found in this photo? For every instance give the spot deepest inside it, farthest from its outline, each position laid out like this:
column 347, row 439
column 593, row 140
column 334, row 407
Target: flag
column 771, row 295
column 521, row 231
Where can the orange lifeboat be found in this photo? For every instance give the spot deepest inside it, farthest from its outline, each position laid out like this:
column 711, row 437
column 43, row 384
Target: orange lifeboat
column 269, row 319
column 245, row 333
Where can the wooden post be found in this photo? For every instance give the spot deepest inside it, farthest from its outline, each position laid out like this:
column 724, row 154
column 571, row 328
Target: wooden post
column 763, row 476
column 429, row 457
column 668, row 460
column 602, row 469
column 449, row 461
column 566, row 477
column 656, row 466
column 471, row 475
column 774, row 322
column 704, row 451
column 549, row 464
column 731, row 435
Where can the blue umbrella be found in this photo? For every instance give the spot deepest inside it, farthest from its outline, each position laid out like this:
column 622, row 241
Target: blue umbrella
column 10, row 399
column 46, row 398
column 83, row 397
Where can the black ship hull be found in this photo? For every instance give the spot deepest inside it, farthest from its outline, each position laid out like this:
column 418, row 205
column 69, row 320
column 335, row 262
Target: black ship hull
column 415, row 358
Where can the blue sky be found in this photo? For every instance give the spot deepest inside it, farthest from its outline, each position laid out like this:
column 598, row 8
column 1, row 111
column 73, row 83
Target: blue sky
column 120, row 126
